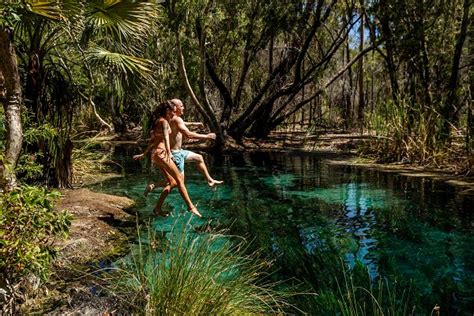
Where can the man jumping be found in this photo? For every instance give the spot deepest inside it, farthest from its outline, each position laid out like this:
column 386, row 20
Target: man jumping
column 178, row 129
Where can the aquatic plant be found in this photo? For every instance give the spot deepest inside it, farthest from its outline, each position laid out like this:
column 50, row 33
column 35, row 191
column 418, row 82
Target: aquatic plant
column 352, row 292
column 379, row 299
column 184, row 273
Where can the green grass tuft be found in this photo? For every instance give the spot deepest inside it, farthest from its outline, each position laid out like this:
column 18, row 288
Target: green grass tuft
column 191, row 274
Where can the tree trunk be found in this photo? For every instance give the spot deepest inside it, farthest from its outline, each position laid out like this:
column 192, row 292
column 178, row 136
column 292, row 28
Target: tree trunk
column 348, row 96
column 450, row 110
column 33, row 85
column 207, row 112
column 470, row 110
column 63, row 165
column 390, row 49
column 118, row 121
column 10, row 97
column 360, row 116
column 278, row 118
column 261, row 128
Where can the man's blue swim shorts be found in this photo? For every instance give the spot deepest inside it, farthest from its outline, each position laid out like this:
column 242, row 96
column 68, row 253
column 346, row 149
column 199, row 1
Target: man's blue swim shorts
column 179, row 156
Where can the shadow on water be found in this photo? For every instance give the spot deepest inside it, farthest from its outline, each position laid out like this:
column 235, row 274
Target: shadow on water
column 308, row 216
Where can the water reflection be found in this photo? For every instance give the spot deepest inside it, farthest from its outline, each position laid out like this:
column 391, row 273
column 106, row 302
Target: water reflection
column 359, row 221
column 405, row 229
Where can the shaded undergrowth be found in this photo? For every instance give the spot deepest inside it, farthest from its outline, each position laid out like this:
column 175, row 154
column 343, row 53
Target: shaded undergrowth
column 410, row 133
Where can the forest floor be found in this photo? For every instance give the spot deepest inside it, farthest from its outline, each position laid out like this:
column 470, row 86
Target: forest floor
column 102, row 226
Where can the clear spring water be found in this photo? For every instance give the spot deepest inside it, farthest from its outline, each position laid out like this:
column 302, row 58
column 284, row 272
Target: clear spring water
column 306, row 213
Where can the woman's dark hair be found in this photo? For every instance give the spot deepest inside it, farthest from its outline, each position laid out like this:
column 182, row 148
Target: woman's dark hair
column 163, row 107
column 160, row 111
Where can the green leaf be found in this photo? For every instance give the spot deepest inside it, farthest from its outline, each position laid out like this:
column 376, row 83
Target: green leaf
column 16, row 17
column 120, row 64
column 49, row 9
column 121, row 20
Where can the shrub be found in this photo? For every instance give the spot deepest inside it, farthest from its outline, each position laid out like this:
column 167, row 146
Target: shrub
column 27, row 223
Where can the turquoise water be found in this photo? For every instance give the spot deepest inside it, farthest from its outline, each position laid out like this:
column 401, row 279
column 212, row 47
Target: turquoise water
column 311, row 217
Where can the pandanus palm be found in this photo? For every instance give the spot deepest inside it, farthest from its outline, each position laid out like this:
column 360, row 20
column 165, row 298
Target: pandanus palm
column 57, row 43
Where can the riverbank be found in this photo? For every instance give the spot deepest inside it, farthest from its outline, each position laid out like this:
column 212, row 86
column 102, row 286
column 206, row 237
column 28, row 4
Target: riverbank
column 336, row 146
column 342, row 149
column 100, row 231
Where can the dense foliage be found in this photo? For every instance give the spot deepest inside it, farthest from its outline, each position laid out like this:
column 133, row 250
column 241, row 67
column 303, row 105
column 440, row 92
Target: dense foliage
column 27, row 225
column 426, row 63
column 28, row 222
column 72, row 54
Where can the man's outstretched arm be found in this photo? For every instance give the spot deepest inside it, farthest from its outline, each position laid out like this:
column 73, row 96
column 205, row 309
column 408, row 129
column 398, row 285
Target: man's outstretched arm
column 197, row 124
column 189, row 134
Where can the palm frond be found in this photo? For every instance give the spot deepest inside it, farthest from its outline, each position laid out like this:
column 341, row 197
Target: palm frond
column 49, row 9
column 122, row 20
column 74, row 10
column 120, row 64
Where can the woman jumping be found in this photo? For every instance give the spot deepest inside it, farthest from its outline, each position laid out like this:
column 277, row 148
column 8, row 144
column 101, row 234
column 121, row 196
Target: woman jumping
column 161, row 155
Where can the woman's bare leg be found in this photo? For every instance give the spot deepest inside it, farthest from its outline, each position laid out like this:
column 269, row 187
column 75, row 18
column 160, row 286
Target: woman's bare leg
column 172, row 170
column 166, row 190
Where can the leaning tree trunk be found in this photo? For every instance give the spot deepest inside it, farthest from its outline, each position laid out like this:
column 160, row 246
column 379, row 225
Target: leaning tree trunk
column 10, row 97
column 204, row 109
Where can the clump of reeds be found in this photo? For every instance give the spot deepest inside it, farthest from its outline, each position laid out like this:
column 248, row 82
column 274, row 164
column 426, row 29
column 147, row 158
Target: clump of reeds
column 87, row 161
column 410, row 133
column 333, row 287
column 379, row 299
column 193, row 274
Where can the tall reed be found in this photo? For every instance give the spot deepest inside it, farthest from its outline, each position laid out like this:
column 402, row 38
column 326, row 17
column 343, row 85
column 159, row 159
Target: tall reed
column 347, row 290
column 379, row 299
column 185, row 273
column 407, row 132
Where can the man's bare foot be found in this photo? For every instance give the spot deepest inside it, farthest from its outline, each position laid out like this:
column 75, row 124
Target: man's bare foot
column 149, row 187
column 195, row 212
column 214, row 182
